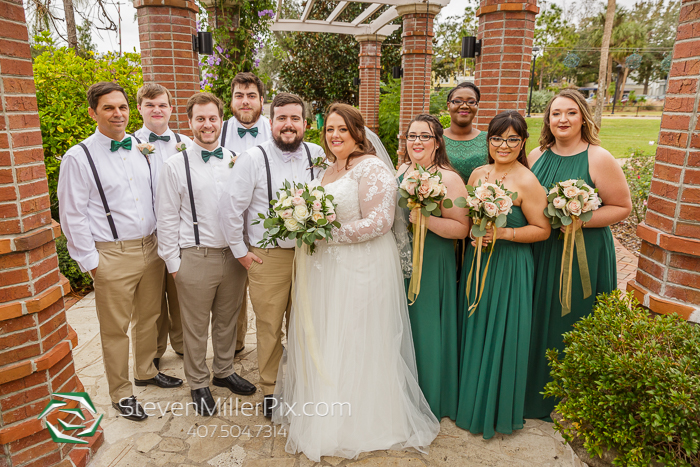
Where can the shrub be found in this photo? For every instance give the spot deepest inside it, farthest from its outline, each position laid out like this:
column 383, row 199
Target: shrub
column 78, row 280
column 445, row 120
column 62, row 79
column 389, row 109
column 630, row 382
column 638, row 170
column 312, row 135
column 539, row 100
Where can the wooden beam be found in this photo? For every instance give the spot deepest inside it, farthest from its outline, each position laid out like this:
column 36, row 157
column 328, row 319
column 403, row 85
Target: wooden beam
column 384, row 19
column 335, row 13
column 369, row 11
column 307, row 10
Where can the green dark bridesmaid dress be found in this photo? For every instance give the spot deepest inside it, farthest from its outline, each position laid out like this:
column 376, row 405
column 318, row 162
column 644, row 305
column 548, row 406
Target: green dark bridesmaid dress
column 434, row 325
column 548, row 324
column 496, row 338
column 465, row 156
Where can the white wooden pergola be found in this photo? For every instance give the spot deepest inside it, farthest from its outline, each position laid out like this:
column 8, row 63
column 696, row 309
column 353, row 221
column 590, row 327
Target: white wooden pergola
column 357, row 27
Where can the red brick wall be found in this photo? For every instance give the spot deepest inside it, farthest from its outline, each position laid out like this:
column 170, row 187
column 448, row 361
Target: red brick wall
column 35, row 341
column 370, row 68
column 503, row 69
column 167, row 58
column 668, row 278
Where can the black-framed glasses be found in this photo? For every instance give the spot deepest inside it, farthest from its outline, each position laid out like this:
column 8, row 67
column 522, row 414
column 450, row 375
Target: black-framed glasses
column 413, row 137
column 511, row 142
column 469, row 102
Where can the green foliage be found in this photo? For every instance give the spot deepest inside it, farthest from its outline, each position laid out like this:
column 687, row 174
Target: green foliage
column 553, row 35
column 69, row 268
column 389, row 109
column 236, row 45
column 445, row 120
column 447, row 61
column 630, row 381
column 540, row 100
column 638, row 170
column 312, row 135
column 62, row 79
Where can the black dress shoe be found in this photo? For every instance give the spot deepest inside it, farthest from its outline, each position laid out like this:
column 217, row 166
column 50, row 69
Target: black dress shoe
column 203, row 401
column 239, row 351
column 130, row 409
column 236, row 384
column 161, row 380
column 268, row 404
column 156, row 362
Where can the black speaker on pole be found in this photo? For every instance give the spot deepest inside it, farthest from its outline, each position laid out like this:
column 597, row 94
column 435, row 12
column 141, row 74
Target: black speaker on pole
column 470, row 47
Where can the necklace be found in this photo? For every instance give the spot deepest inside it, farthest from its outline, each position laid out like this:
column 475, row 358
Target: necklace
column 504, row 175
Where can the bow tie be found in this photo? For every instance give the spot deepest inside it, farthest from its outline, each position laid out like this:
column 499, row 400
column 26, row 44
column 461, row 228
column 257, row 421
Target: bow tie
column 126, row 144
column 154, row 137
column 253, row 131
column 218, row 152
column 289, row 156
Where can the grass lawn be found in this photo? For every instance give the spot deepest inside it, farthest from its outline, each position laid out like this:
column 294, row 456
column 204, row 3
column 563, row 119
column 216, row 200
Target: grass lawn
column 617, row 135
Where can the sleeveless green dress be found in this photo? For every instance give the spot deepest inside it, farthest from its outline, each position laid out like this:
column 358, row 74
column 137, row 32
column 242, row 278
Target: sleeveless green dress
column 433, row 319
column 548, row 325
column 465, row 156
column 496, row 338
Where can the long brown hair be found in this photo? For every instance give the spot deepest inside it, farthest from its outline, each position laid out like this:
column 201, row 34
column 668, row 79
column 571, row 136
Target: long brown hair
column 589, row 129
column 501, row 123
column 356, row 127
column 440, row 157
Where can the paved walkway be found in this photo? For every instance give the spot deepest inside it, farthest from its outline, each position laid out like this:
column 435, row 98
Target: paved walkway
column 171, row 438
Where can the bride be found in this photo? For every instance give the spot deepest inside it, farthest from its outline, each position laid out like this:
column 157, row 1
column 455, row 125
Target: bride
column 348, row 382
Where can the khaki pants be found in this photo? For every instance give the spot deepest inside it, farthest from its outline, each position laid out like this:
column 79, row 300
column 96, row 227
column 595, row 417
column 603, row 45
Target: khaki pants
column 210, row 286
column 128, row 289
column 270, row 285
column 169, row 321
column 242, row 325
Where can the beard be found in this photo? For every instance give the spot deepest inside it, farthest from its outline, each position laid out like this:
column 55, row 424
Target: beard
column 247, row 118
column 291, row 146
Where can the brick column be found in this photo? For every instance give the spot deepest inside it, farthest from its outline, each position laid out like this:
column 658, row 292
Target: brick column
column 165, row 33
column 416, row 60
column 370, row 70
column 502, row 71
column 668, row 278
column 35, row 341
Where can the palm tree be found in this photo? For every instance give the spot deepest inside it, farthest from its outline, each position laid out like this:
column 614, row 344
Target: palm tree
column 602, row 70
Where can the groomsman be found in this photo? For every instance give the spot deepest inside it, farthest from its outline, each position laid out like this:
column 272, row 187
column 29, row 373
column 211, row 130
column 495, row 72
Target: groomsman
column 246, row 129
column 285, row 157
column 210, row 282
column 154, row 103
column 105, row 193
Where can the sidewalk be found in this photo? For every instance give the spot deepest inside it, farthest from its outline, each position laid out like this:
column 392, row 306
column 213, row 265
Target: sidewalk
column 251, row 441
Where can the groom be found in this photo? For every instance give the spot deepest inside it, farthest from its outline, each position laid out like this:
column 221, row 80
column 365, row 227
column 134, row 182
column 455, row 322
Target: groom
column 255, row 179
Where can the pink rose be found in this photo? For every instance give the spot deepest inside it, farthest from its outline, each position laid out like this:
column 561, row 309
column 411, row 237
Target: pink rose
column 571, row 192
column 297, row 200
column 588, row 206
column 567, row 183
column 424, row 189
column 490, row 209
column 317, row 206
column 504, row 204
column 287, row 213
column 425, row 176
column 330, row 217
column 559, row 202
column 299, row 192
column 411, row 188
column 473, row 202
column 482, row 193
column 574, row 207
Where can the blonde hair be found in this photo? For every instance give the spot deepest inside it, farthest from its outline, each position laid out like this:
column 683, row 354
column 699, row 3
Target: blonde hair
column 589, row 129
column 151, row 91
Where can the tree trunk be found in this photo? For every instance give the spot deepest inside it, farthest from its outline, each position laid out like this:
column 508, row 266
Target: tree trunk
column 604, row 52
column 646, row 86
column 70, row 24
column 621, row 92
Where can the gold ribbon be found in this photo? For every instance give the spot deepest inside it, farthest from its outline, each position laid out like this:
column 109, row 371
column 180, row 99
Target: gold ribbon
column 477, row 258
column 573, row 236
column 420, row 230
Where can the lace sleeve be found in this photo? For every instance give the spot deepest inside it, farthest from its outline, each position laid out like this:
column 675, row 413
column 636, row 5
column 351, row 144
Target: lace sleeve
column 377, row 196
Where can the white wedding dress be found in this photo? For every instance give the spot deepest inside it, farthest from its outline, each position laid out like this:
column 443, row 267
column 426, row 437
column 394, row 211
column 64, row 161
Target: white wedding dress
column 348, row 381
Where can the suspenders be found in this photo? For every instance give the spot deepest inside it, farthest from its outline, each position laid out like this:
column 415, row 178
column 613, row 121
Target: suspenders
column 112, row 227
column 150, row 175
column 269, row 175
column 223, row 134
column 189, row 189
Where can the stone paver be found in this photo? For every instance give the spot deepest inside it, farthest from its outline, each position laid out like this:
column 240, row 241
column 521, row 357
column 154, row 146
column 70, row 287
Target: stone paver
column 626, row 266
column 171, row 438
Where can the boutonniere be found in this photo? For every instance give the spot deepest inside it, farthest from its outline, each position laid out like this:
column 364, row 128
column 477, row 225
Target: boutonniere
column 232, row 161
column 319, row 163
column 180, row 147
column 146, row 149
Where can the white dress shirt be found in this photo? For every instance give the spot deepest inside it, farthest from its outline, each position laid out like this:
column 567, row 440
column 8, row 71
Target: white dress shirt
column 246, row 191
column 127, row 185
column 175, row 226
column 164, row 149
column 240, row 145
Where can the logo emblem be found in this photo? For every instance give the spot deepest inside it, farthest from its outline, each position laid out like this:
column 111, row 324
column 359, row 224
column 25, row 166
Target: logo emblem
column 88, row 430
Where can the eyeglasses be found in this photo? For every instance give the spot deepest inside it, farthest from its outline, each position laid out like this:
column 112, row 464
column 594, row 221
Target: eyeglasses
column 511, row 142
column 413, row 137
column 469, row 102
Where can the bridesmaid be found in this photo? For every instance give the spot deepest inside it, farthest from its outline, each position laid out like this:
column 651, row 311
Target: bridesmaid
column 496, row 338
column 466, row 146
column 434, row 313
column 570, row 148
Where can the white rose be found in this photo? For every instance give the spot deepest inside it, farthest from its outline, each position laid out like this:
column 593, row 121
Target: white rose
column 329, row 206
column 473, row 202
column 567, row 183
column 587, row 206
column 504, row 204
column 317, row 194
column 571, row 192
column 283, row 196
column 317, row 216
column 287, row 202
column 559, row 202
column 490, row 209
column 291, row 225
column 574, row 207
column 584, row 194
column 301, row 213
column 482, row 193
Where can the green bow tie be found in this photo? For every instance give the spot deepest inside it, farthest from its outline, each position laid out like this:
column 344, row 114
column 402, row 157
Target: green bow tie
column 126, row 144
column 253, row 131
column 218, row 152
column 154, row 137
